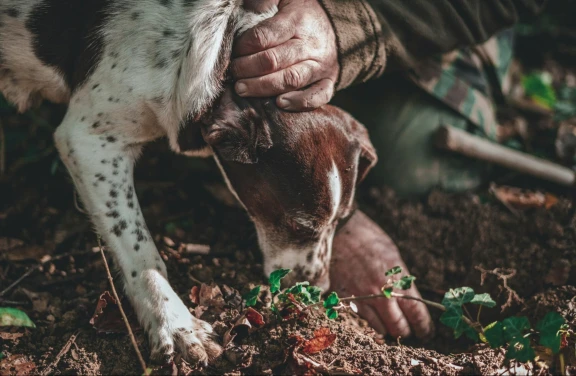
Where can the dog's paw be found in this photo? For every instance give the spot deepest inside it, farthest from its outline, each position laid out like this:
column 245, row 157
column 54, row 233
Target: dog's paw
column 193, row 341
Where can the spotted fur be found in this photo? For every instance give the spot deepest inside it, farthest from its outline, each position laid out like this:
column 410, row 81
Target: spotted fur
column 135, row 70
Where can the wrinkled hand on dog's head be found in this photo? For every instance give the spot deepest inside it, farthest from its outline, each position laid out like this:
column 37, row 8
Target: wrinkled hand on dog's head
column 295, row 173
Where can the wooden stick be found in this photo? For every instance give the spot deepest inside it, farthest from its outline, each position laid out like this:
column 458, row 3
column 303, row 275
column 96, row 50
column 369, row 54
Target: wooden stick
column 128, row 327
column 460, row 141
column 62, row 352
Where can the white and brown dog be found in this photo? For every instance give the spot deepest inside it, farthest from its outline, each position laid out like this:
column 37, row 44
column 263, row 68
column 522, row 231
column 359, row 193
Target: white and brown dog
column 135, row 70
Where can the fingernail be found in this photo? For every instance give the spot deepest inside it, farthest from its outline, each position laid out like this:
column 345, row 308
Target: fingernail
column 283, row 102
column 241, row 88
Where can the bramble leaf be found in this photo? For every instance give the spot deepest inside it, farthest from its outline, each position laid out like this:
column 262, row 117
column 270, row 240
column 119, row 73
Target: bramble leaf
column 251, row 297
column 387, row 291
column 452, row 318
column 331, row 300
column 520, row 349
column 483, row 300
column 275, row 278
column 315, row 293
column 515, row 327
column 457, row 297
column 549, row 328
column 393, row 271
column 404, row 283
column 15, row 317
column 471, row 333
column 494, row 334
column 331, row 313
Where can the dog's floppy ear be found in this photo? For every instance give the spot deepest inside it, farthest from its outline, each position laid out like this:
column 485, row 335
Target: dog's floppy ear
column 368, row 157
column 235, row 131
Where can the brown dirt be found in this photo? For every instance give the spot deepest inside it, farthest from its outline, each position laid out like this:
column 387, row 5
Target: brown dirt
column 442, row 239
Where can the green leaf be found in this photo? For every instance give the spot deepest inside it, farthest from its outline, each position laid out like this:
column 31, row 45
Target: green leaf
column 14, row 317
column 251, row 297
column 457, row 297
column 494, row 334
column 452, row 318
column 515, row 327
column 393, row 271
column 483, row 300
column 331, row 300
column 520, row 349
column 404, row 283
column 471, row 333
column 549, row 328
column 315, row 293
column 331, row 313
column 538, row 87
column 387, row 291
column 275, row 278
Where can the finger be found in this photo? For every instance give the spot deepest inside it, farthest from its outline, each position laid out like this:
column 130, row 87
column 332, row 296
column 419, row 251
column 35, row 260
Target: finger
column 390, row 313
column 259, row 6
column 270, row 60
column 267, row 34
column 417, row 315
column 369, row 314
column 317, row 95
column 292, row 78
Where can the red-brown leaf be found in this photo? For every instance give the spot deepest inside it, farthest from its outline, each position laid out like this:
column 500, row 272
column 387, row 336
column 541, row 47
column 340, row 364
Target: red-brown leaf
column 323, row 339
column 195, row 295
column 107, row 317
column 254, row 317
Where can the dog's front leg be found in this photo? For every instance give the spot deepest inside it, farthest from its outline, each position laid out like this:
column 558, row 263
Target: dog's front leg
column 99, row 147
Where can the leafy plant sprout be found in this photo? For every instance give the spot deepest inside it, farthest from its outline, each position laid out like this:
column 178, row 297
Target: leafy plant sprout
column 513, row 332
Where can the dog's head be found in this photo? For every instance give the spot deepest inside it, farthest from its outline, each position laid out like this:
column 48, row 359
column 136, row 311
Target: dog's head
column 295, row 173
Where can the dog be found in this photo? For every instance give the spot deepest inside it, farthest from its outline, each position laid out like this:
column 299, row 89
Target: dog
column 132, row 71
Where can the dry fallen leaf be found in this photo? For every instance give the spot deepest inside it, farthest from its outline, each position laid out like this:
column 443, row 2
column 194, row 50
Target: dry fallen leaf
column 247, row 323
column 255, row 317
column 323, row 339
column 17, row 365
column 10, row 336
column 107, row 317
column 518, row 198
column 211, row 296
column 194, row 295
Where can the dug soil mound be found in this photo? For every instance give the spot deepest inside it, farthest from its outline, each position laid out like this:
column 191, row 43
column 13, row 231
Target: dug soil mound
column 444, row 240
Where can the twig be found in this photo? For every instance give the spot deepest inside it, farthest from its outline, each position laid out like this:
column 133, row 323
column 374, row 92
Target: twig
column 36, row 267
column 26, row 274
column 62, row 352
column 13, row 302
column 400, row 296
column 128, row 327
column 504, row 275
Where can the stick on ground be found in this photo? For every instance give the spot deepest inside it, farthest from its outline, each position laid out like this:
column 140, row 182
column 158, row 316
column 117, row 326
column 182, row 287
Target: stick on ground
column 128, row 327
column 62, row 352
column 459, row 141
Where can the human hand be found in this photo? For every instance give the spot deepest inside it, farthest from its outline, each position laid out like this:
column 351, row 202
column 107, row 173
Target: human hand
column 292, row 55
column 361, row 254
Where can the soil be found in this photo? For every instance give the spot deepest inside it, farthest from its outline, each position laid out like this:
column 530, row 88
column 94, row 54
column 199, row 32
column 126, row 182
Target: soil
column 443, row 238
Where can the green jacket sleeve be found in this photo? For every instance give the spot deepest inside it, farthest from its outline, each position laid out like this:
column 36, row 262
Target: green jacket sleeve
column 376, row 34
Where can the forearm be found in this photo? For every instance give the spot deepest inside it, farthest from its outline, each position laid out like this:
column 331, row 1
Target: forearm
column 375, row 35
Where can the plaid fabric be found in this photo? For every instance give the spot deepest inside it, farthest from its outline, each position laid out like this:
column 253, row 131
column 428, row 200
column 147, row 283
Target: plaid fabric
column 467, row 79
